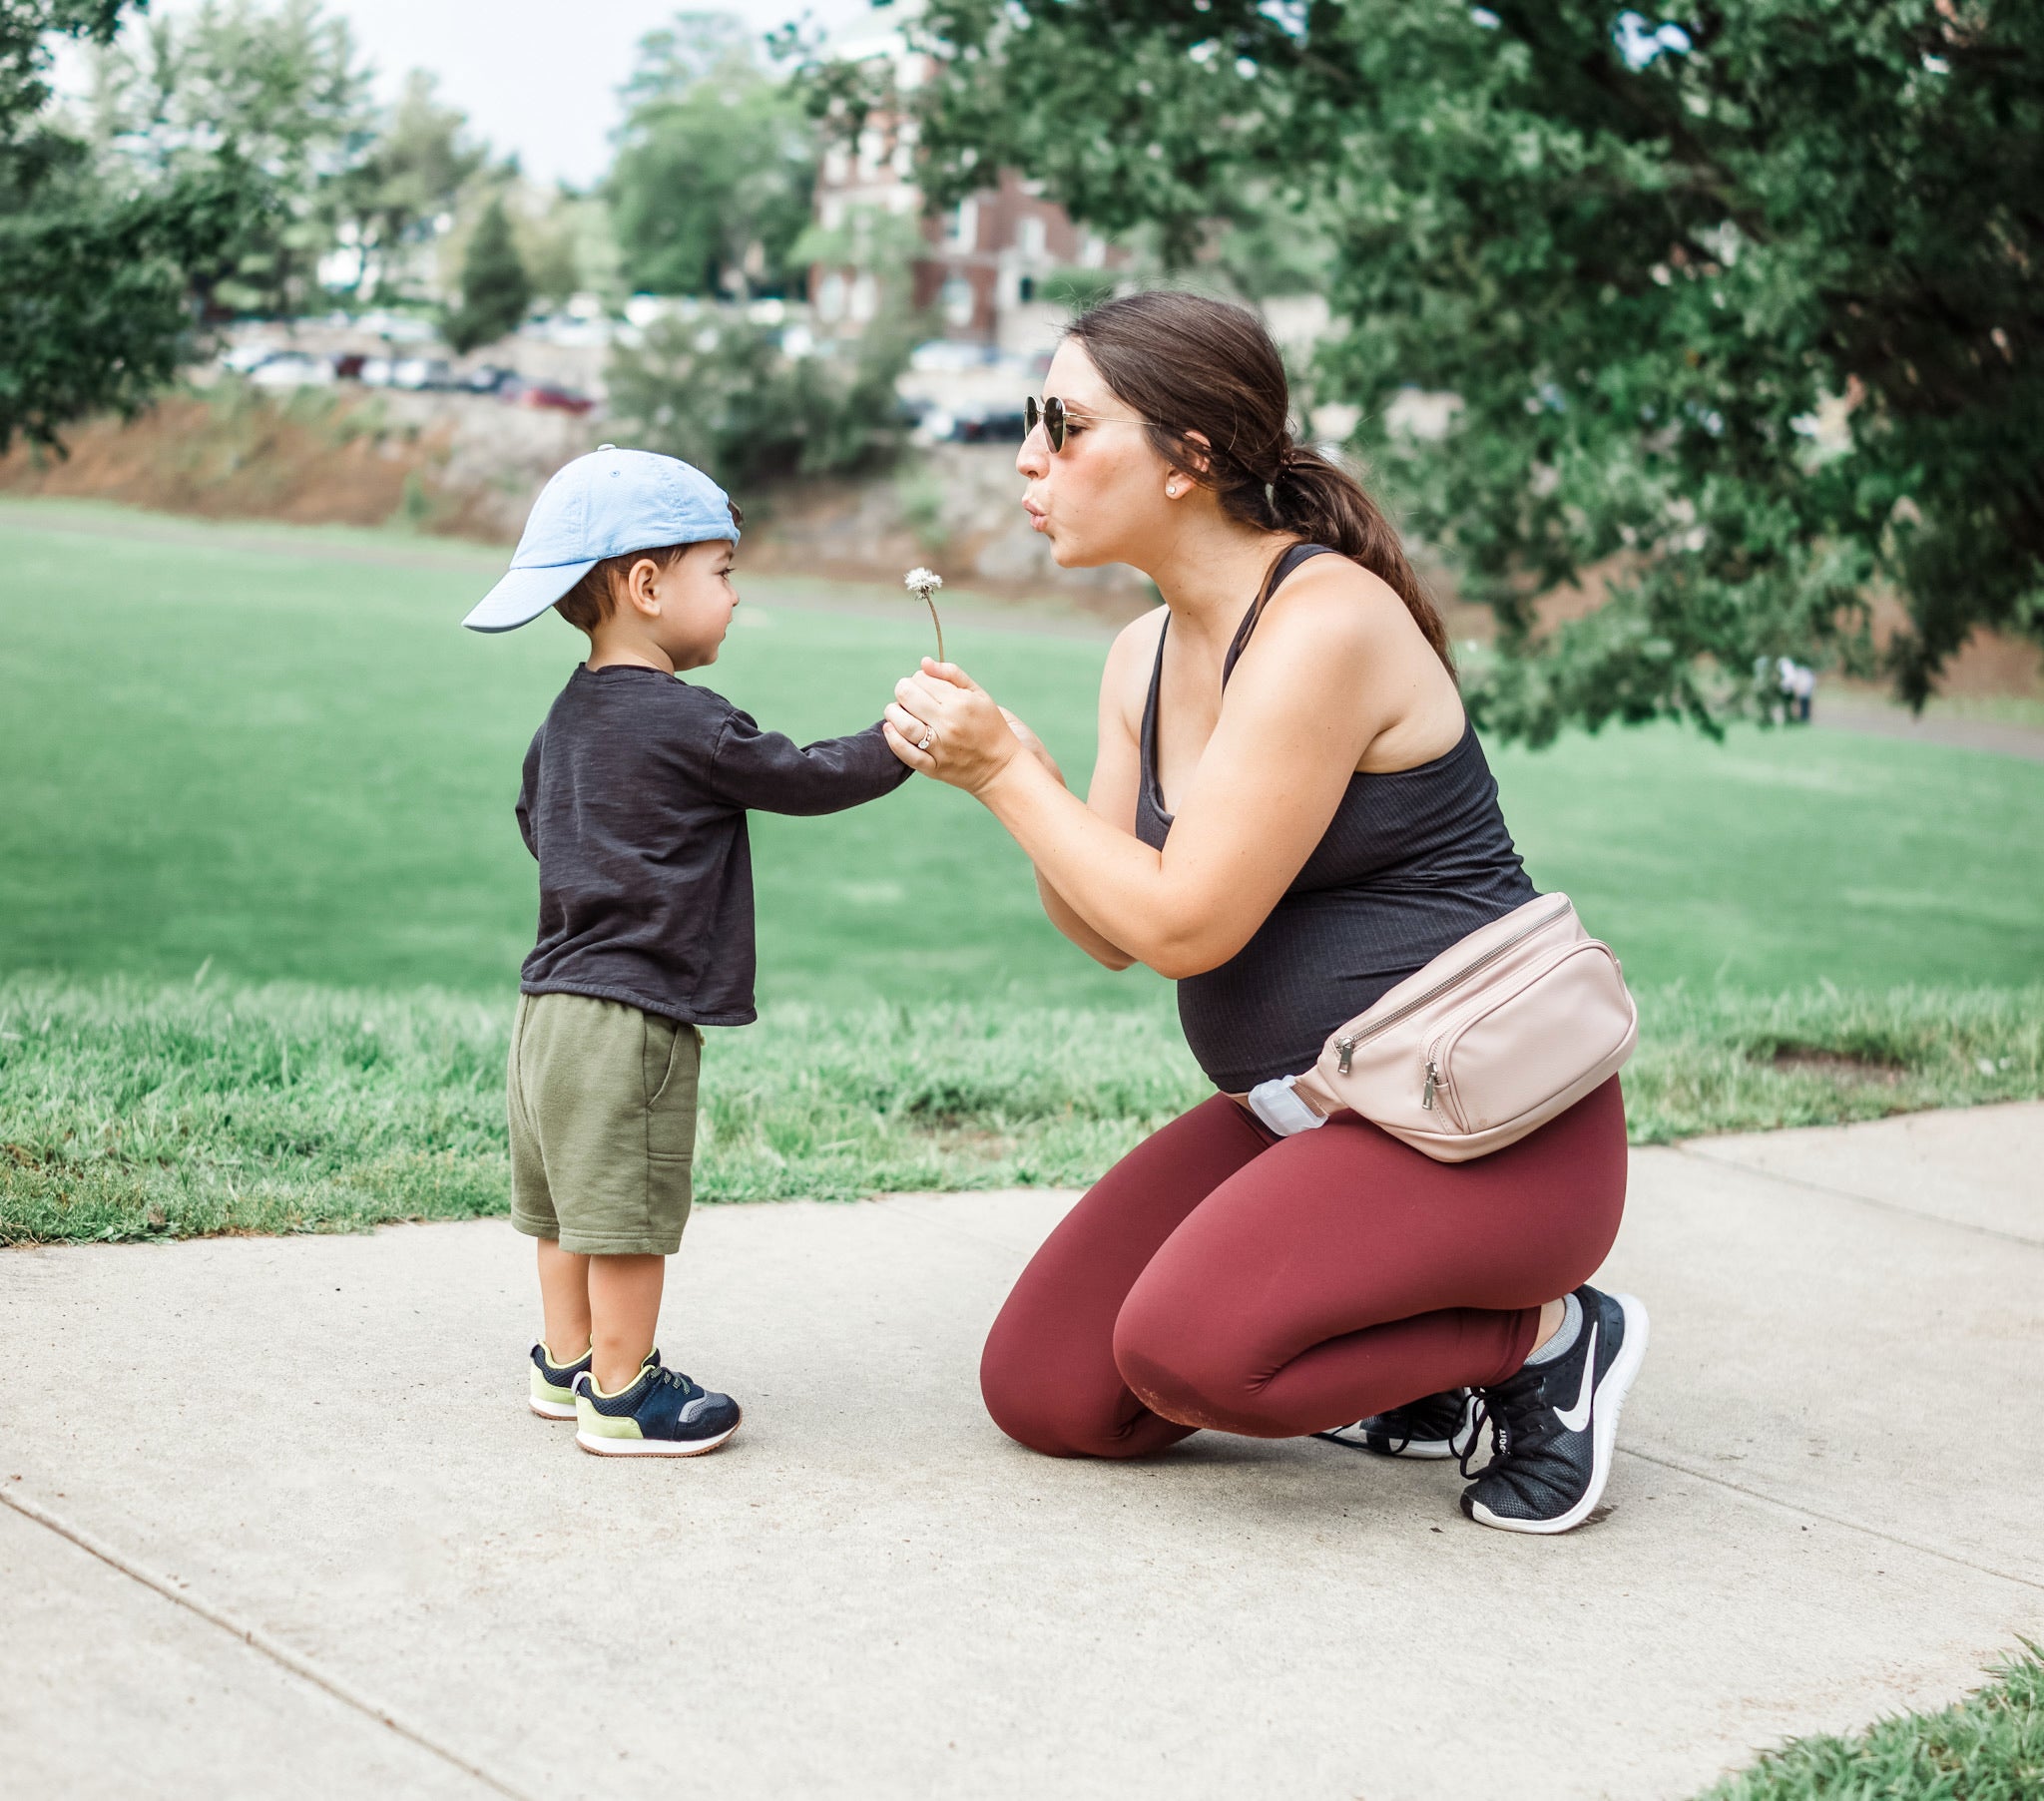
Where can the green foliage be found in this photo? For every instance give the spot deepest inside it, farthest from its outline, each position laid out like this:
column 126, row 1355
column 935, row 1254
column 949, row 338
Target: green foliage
column 97, row 280
column 720, row 392
column 412, row 174
column 1077, row 288
column 1648, row 256
column 276, row 89
column 711, row 184
column 496, row 290
column 1988, row 1748
column 131, row 1112
column 96, row 294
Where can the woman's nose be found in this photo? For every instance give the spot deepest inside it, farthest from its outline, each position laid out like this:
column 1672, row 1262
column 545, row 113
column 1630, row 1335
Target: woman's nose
column 1032, row 459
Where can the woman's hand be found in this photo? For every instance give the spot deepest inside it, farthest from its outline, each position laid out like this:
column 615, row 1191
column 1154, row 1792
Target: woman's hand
column 969, row 739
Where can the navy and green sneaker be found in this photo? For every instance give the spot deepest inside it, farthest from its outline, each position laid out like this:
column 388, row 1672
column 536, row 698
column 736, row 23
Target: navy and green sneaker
column 660, row 1413
column 553, row 1384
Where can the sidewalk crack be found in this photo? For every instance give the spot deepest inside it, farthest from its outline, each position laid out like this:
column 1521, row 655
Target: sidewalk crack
column 1664, row 1462
column 256, row 1639
column 1869, row 1200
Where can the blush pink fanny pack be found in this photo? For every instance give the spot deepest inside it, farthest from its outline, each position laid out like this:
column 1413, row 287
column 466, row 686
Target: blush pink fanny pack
column 1501, row 1031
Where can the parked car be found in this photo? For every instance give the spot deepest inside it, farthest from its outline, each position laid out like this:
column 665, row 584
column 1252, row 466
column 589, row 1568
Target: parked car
column 418, row 372
column 552, row 399
column 489, row 379
column 293, row 369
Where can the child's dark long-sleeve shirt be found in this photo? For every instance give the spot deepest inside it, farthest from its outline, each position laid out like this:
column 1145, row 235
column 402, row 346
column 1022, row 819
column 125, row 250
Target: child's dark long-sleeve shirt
column 634, row 802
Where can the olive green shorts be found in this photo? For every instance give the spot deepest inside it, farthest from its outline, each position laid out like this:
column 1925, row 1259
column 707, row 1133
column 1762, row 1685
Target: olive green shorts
column 603, row 1125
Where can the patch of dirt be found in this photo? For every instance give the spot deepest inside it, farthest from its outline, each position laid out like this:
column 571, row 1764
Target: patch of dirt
column 1814, row 1061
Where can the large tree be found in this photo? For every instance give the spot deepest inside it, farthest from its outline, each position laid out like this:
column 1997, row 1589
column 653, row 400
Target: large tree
column 100, row 282
column 278, row 88
column 390, row 204
column 1741, row 302
column 715, row 169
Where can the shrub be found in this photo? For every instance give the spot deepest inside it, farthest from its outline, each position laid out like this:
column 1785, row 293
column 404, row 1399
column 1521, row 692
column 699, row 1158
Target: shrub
column 722, row 394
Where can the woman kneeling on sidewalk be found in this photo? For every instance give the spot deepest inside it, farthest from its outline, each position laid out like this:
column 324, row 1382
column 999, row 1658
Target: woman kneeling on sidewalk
column 1290, row 813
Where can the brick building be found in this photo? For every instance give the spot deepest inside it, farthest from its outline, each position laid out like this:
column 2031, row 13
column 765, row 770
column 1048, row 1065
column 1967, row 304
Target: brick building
column 978, row 268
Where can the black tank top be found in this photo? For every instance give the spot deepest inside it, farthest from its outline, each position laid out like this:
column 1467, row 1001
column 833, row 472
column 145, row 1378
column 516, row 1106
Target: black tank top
column 1411, row 861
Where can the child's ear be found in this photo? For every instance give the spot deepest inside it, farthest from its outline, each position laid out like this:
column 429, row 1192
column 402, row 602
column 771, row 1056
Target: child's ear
column 641, row 587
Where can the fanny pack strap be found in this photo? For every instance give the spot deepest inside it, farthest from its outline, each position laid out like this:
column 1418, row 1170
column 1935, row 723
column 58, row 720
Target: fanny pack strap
column 1291, row 1104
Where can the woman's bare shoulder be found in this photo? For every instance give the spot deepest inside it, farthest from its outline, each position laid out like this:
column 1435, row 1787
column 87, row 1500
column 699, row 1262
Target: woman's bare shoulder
column 1125, row 682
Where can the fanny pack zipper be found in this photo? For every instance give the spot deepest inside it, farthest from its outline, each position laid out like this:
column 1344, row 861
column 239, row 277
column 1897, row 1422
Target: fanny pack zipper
column 1346, row 1045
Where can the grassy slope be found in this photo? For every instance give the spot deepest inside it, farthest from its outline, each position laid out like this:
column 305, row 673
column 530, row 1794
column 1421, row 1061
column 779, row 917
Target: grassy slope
column 1987, row 1747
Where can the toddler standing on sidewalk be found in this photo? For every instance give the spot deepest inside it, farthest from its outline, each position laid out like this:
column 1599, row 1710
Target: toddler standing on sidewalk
column 634, row 802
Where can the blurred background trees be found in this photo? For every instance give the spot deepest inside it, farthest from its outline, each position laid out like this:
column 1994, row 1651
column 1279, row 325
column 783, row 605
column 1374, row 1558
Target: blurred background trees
column 716, row 167
column 1738, row 306
column 100, row 268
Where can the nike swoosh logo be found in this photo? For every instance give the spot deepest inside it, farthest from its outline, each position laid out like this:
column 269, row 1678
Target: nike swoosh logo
column 1577, row 1417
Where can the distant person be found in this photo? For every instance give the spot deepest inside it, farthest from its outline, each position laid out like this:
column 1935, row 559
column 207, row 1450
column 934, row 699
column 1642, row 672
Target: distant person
column 1290, row 813
column 634, row 802
column 1799, row 684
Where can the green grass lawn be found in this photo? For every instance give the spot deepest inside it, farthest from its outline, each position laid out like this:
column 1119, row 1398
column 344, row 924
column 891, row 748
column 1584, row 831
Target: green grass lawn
column 1987, row 1747
column 273, row 757
column 298, row 766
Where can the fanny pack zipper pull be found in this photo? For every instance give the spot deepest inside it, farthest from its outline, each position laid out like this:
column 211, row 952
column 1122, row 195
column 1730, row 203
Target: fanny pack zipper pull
column 1346, row 1045
column 1433, row 1077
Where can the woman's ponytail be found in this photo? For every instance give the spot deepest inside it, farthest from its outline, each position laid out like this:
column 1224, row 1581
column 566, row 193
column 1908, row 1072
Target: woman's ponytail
column 1187, row 364
column 1325, row 504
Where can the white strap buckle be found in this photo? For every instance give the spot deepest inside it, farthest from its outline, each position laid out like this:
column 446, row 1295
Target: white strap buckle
column 1279, row 1108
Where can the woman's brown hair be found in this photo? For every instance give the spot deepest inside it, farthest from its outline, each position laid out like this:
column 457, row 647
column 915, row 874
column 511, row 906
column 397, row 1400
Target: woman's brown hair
column 1187, row 363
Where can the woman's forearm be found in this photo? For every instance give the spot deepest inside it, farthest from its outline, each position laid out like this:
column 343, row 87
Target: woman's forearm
column 1068, row 920
column 1116, row 885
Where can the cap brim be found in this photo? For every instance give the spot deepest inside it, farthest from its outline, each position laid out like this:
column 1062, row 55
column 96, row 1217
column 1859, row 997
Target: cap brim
column 523, row 595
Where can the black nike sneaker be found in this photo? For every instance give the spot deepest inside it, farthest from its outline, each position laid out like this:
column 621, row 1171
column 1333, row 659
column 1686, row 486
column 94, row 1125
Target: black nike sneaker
column 1434, row 1425
column 1553, row 1426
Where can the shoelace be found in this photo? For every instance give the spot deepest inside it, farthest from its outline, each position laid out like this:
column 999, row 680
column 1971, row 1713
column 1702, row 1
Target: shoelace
column 1512, row 1411
column 664, row 1376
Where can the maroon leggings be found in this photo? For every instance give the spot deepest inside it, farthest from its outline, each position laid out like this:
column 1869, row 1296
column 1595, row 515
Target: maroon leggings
column 1221, row 1276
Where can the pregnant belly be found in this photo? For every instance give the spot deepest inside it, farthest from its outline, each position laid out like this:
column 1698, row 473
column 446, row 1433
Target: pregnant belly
column 1316, row 963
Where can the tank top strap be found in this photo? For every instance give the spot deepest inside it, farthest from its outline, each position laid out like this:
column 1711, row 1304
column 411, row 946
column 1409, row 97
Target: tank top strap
column 1279, row 572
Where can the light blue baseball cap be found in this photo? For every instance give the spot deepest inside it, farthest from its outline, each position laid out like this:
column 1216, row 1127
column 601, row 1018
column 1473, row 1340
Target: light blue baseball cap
column 602, row 505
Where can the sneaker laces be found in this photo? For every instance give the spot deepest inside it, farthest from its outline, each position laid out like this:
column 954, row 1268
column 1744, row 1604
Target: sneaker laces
column 1512, row 1410
column 662, row 1377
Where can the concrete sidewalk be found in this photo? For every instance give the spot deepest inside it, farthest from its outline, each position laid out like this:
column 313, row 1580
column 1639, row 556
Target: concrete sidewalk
column 279, row 1521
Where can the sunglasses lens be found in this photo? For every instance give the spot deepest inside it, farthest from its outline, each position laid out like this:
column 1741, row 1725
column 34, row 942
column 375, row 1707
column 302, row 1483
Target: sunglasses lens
column 1050, row 415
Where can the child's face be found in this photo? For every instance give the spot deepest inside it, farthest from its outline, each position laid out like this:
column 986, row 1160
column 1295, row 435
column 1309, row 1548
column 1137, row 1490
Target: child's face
column 697, row 599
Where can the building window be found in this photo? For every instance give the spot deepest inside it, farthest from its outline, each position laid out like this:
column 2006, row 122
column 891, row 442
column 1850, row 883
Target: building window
column 830, row 297
column 1024, row 289
column 964, row 233
column 865, row 297
column 956, row 299
column 1030, row 237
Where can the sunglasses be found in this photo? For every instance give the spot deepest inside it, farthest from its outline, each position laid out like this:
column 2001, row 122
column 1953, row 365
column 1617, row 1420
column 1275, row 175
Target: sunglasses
column 1051, row 415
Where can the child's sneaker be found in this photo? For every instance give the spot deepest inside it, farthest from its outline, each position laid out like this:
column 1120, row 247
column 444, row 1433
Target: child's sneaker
column 553, row 1384
column 661, row 1413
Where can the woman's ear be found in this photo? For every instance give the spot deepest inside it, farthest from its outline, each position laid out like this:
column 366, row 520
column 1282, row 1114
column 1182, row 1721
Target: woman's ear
column 1198, row 459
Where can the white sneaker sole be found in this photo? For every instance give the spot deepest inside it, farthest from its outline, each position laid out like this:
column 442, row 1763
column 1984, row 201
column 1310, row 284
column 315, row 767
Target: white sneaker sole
column 1425, row 1450
column 1605, row 1406
column 597, row 1445
column 550, row 1410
